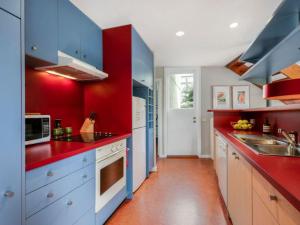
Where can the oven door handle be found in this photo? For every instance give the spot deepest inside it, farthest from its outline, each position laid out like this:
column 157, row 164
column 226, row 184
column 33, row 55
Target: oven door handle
column 111, row 155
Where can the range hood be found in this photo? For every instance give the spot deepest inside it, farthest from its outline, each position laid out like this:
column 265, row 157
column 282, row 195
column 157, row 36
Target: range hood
column 72, row 68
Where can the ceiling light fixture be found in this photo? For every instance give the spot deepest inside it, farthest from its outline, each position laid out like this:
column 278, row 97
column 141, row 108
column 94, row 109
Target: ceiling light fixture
column 179, row 33
column 234, row 25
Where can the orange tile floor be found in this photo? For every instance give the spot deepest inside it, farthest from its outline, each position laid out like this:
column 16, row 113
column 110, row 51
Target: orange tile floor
column 182, row 192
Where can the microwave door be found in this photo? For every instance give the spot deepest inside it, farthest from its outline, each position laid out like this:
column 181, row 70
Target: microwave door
column 33, row 129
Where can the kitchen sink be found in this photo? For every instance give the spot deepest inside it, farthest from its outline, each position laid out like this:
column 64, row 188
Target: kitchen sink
column 268, row 145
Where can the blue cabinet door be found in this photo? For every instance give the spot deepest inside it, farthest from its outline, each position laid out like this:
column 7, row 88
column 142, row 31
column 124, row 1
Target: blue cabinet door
column 142, row 61
column 69, row 24
column 150, row 149
column 41, row 18
column 11, row 119
column 12, row 6
column 91, row 43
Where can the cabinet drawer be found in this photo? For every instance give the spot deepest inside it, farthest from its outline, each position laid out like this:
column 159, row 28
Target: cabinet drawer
column 45, row 175
column 39, row 199
column 265, row 191
column 287, row 214
column 67, row 210
column 88, row 218
column 261, row 215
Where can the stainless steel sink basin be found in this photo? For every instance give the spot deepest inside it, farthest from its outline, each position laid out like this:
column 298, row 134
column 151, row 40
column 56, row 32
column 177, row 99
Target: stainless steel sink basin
column 278, row 150
column 268, row 145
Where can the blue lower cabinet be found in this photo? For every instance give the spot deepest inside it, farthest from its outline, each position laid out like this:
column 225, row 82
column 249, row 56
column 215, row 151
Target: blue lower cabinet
column 150, row 152
column 88, row 218
column 40, row 177
column 129, row 176
column 69, row 209
column 11, row 145
column 110, row 207
column 12, row 6
column 39, row 199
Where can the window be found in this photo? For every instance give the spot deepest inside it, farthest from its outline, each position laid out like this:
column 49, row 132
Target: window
column 181, row 89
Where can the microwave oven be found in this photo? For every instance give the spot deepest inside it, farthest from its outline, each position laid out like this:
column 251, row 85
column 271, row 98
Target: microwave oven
column 37, row 129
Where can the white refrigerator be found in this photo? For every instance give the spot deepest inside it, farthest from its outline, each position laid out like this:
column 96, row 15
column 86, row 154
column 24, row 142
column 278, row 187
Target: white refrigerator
column 138, row 141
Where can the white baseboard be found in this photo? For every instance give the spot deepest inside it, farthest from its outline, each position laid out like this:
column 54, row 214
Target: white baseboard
column 205, row 156
column 154, row 169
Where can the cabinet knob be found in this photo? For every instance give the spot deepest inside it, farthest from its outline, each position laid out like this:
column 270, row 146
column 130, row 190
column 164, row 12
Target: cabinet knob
column 84, row 56
column 50, row 174
column 69, row 203
column 273, row 198
column 84, row 160
column 84, row 176
column 142, row 80
column 233, row 153
column 34, row 48
column 76, row 52
column 9, row 194
column 50, row 195
column 236, row 157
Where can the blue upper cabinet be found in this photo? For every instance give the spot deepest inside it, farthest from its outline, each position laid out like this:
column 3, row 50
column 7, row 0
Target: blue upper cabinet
column 78, row 35
column 91, row 43
column 12, row 6
column 41, row 18
column 142, row 61
column 10, row 117
column 53, row 25
column 70, row 22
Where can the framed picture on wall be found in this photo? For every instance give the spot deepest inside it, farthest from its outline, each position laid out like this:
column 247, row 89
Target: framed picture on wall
column 221, row 97
column 241, row 97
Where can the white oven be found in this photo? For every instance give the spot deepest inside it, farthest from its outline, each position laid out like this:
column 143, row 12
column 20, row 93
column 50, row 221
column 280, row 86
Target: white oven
column 110, row 172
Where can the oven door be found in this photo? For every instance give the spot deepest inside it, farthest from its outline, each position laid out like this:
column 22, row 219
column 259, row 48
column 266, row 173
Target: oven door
column 110, row 177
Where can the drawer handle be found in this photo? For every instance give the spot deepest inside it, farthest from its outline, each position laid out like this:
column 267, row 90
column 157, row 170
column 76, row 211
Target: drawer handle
column 50, row 174
column 9, row 194
column 273, row 198
column 50, row 195
column 84, row 176
column 69, row 203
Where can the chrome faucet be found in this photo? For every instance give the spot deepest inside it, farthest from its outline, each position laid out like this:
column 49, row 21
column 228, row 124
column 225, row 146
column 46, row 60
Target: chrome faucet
column 288, row 138
column 292, row 141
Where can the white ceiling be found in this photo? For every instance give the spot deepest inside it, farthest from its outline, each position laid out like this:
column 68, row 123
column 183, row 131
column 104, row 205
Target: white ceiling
column 208, row 39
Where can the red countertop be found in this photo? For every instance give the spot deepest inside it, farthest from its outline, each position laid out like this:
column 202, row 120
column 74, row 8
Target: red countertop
column 43, row 154
column 282, row 172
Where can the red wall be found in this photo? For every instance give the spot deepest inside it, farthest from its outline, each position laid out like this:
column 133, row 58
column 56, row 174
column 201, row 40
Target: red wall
column 287, row 120
column 111, row 98
column 60, row 97
column 223, row 119
column 72, row 101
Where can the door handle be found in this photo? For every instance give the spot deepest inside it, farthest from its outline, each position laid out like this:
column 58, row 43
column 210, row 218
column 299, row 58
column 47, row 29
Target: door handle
column 9, row 194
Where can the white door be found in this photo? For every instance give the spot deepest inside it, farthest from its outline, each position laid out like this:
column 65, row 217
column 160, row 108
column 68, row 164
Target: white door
column 182, row 131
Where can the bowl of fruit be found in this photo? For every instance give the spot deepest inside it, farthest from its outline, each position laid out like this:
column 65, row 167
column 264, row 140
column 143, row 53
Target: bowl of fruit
column 242, row 125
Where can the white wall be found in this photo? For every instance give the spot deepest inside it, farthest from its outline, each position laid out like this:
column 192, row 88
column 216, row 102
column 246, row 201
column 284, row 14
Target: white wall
column 221, row 76
column 217, row 76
